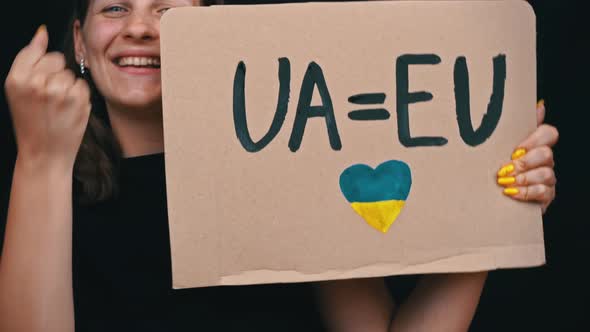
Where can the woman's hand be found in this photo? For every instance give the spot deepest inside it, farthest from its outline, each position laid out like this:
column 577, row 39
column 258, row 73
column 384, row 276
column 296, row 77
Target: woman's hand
column 49, row 105
column 530, row 175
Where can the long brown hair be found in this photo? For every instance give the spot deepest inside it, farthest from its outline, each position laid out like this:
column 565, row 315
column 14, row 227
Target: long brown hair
column 96, row 167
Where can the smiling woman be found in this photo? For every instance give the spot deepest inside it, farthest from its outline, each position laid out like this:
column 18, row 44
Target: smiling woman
column 86, row 243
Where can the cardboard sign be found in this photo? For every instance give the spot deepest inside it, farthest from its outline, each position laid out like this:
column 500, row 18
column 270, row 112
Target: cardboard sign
column 342, row 140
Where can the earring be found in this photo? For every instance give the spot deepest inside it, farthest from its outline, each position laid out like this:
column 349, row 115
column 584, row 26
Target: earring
column 82, row 67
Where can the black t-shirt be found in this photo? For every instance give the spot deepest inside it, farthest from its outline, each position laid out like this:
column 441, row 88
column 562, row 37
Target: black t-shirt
column 122, row 271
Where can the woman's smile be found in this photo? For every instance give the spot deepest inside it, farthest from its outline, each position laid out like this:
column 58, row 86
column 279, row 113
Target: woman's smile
column 138, row 63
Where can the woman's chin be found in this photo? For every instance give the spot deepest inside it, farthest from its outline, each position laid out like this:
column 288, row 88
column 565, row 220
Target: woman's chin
column 147, row 103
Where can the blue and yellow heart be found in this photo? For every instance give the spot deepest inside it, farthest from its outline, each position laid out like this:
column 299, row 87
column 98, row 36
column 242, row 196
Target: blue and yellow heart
column 378, row 195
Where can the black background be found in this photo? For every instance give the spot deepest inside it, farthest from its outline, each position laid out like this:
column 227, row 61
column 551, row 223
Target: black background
column 550, row 298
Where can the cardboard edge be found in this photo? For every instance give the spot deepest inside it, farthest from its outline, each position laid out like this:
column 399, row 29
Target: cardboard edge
column 531, row 256
column 164, row 20
column 526, row 7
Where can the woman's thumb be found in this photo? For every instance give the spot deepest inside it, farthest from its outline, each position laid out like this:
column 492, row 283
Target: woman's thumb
column 41, row 39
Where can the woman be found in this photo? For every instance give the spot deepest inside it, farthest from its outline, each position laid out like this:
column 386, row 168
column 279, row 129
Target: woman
column 92, row 169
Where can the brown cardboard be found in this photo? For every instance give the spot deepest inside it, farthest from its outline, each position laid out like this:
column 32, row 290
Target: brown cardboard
column 238, row 217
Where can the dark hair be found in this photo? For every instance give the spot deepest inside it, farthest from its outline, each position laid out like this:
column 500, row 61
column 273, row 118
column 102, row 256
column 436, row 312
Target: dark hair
column 99, row 153
column 97, row 161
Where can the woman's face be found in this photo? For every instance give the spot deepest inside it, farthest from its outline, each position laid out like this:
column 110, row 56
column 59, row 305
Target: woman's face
column 120, row 44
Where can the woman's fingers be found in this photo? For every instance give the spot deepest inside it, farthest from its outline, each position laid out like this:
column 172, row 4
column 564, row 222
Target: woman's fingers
column 538, row 157
column 525, row 161
column 32, row 53
column 58, row 85
column 542, row 175
column 530, row 175
column 50, row 63
column 544, row 135
column 536, row 193
column 79, row 92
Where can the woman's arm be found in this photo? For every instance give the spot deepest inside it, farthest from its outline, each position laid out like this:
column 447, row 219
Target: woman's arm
column 36, row 263
column 50, row 110
column 441, row 302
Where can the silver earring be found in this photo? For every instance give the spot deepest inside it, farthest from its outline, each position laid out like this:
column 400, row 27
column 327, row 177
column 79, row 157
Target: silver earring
column 82, row 68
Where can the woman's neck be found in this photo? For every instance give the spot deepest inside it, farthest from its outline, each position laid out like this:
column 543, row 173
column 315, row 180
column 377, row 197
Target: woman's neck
column 139, row 132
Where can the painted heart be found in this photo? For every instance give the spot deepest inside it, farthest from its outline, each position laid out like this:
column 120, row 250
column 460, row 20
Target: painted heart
column 378, row 195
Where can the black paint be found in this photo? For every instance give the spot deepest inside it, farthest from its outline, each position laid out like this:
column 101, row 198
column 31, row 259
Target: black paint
column 404, row 98
column 240, row 121
column 492, row 117
column 369, row 114
column 367, row 98
column 314, row 76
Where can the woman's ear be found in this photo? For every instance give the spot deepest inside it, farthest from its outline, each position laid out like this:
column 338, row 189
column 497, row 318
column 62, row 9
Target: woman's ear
column 79, row 46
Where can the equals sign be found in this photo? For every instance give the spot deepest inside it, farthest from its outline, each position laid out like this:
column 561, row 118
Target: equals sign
column 371, row 113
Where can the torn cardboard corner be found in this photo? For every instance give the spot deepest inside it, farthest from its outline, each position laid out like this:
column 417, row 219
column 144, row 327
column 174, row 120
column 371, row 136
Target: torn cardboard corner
column 326, row 141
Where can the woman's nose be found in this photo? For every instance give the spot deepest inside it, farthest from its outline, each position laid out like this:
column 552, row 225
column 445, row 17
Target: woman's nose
column 142, row 27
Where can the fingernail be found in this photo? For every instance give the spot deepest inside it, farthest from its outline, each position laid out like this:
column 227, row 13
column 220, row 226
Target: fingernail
column 40, row 28
column 541, row 103
column 511, row 191
column 506, row 181
column 506, row 170
column 518, row 153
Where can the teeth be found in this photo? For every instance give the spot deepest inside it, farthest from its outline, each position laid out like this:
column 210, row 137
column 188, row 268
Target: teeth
column 139, row 61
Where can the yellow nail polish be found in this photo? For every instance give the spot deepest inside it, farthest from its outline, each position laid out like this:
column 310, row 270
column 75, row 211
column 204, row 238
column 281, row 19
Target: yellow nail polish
column 511, row 191
column 506, row 170
column 541, row 103
column 518, row 153
column 506, row 181
column 40, row 28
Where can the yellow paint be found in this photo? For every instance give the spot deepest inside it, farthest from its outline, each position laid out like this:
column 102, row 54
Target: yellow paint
column 380, row 215
column 511, row 191
column 518, row 153
column 506, row 181
column 506, row 170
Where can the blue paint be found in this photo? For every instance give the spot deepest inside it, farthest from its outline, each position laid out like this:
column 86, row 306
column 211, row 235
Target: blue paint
column 389, row 181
